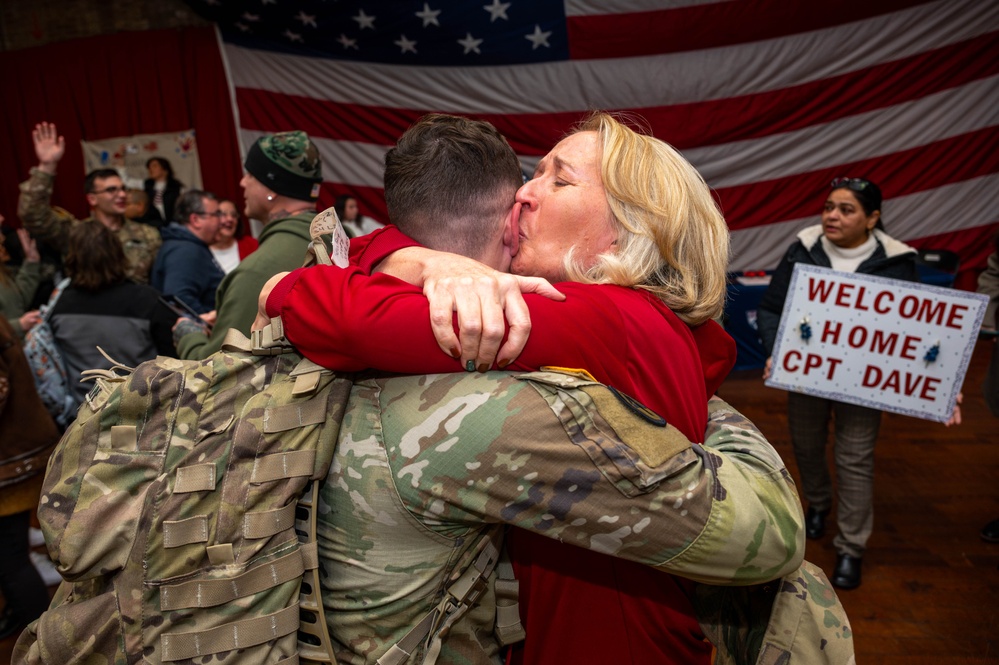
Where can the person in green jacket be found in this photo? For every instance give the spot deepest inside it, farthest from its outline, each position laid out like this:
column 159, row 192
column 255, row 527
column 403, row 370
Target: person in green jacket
column 281, row 186
column 18, row 290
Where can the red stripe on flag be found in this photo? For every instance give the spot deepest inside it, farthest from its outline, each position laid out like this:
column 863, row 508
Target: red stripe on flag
column 683, row 125
column 906, row 172
column 712, row 25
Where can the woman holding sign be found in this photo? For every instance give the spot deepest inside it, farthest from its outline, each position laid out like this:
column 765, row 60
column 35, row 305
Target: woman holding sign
column 851, row 238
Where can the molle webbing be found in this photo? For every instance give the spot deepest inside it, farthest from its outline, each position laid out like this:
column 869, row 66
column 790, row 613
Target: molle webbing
column 238, row 635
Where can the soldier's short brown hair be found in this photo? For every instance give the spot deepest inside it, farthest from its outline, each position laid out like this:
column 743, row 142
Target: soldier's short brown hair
column 449, row 180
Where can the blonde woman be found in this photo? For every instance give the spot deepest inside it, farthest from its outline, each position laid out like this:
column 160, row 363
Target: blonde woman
column 635, row 230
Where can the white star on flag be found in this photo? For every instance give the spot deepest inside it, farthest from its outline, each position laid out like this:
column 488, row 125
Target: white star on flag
column 306, row 19
column 470, row 43
column 293, row 36
column 364, row 21
column 405, row 44
column 497, row 10
column 429, row 15
column 539, row 38
column 347, row 42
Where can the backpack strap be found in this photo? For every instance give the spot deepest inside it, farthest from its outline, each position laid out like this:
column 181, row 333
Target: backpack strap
column 508, row 629
column 462, row 594
column 46, row 309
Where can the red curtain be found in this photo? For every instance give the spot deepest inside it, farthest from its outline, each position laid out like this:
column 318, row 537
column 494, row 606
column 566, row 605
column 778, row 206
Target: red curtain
column 117, row 85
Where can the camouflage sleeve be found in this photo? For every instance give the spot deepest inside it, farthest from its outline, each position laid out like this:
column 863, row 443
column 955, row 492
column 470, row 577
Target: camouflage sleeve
column 579, row 466
column 141, row 243
column 36, row 213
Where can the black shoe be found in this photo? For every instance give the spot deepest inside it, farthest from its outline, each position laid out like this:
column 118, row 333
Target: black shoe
column 9, row 624
column 990, row 532
column 847, row 573
column 815, row 523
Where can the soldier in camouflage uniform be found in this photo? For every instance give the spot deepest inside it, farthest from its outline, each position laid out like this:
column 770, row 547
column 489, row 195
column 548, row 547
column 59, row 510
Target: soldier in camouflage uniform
column 281, row 185
column 426, row 464
column 106, row 196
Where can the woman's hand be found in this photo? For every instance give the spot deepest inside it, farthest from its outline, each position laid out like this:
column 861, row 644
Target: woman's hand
column 486, row 301
column 955, row 417
column 767, row 367
column 29, row 246
column 30, row 319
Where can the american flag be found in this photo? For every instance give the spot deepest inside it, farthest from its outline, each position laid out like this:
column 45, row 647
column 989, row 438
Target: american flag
column 769, row 100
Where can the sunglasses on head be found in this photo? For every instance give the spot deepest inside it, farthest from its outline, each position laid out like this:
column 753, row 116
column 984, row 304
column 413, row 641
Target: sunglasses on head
column 856, row 184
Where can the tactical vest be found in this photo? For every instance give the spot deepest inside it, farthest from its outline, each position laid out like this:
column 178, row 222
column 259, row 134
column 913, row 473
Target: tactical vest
column 169, row 509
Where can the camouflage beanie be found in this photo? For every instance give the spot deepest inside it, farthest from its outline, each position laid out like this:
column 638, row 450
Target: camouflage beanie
column 288, row 164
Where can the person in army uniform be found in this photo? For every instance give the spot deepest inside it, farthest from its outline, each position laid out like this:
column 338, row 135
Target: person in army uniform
column 281, row 186
column 106, row 196
column 457, row 458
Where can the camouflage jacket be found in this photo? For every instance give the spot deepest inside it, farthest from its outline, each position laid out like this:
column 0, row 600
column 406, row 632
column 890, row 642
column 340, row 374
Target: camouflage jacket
column 426, row 464
column 50, row 225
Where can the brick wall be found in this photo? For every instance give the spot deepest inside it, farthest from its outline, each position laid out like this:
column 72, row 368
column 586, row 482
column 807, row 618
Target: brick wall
column 27, row 23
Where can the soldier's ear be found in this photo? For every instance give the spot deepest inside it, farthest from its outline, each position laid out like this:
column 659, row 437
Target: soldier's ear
column 92, row 200
column 511, row 230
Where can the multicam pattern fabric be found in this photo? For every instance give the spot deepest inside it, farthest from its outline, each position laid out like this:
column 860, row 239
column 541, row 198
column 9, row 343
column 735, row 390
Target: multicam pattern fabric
column 169, row 508
column 795, row 619
column 425, row 465
column 51, row 225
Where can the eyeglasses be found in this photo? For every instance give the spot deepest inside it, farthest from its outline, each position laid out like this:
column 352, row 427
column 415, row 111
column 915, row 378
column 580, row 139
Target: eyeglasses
column 856, row 184
column 114, row 189
column 217, row 213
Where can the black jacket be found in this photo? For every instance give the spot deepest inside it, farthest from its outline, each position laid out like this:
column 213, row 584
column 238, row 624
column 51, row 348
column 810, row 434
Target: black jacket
column 170, row 196
column 127, row 320
column 892, row 258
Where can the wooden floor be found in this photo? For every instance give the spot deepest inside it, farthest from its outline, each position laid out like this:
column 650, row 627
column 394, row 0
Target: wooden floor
column 931, row 587
column 930, row 591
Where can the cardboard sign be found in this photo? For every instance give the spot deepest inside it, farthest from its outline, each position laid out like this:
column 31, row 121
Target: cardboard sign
column 882, row 343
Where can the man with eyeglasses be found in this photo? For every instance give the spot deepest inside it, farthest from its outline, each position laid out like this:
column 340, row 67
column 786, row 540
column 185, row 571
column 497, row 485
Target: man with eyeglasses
column 185, row 266
column 106, row 195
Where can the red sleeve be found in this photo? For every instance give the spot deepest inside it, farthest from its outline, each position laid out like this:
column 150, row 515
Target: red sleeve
column 345, row 319
column 368, row 250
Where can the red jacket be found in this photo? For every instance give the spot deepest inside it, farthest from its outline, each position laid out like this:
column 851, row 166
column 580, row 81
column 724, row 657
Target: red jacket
column 597, row 609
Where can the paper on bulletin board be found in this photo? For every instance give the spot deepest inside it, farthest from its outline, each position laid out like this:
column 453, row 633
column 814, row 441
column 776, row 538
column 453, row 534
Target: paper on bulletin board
column 129, row 154
column 883, row 343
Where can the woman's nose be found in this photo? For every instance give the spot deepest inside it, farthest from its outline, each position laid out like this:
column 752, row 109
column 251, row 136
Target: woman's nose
column 525, row 195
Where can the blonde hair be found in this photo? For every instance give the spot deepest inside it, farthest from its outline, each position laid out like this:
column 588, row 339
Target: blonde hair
column 672, row 239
